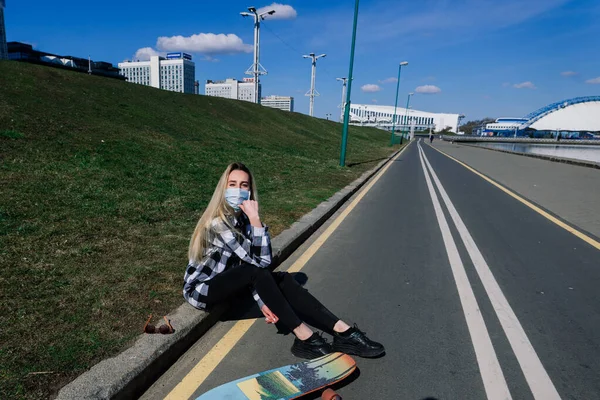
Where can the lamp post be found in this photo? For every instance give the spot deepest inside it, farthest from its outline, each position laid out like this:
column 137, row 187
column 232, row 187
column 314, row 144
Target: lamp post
column 344, row 81
column 349, row 91
column 406, row 115
column 396, row 104
column 312, row 93
column 255, row 69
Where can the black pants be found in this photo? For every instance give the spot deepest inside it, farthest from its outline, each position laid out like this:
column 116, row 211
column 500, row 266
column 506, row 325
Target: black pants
column 278, row 290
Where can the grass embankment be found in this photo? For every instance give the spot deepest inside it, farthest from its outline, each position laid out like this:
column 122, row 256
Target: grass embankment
column 102, row 183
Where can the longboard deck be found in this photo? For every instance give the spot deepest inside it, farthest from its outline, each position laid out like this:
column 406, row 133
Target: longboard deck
column 286, row 383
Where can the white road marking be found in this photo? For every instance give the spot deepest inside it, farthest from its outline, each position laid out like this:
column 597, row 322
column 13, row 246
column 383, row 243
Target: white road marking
column 493, row 379
column 537, row 378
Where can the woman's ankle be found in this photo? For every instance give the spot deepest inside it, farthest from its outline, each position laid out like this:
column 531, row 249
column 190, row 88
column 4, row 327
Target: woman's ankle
column 303, row 332
column 341, row 326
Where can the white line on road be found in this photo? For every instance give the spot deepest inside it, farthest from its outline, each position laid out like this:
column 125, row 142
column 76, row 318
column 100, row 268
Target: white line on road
column 537, row 378
column 493, row 379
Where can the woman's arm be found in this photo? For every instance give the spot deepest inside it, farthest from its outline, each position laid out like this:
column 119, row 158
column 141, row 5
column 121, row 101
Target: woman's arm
column 256, row 251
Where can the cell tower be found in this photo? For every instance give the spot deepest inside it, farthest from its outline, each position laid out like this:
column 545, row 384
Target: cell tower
column 3, row 48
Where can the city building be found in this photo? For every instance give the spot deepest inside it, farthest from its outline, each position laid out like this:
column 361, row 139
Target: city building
column 232, row 89
column 382, row 117
column 3, row 47
column 176, row 72
column 281, row 102
column 24, row 52
column 575, row 118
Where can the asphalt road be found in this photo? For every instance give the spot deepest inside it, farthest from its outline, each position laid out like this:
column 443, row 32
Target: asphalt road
column 512, row 313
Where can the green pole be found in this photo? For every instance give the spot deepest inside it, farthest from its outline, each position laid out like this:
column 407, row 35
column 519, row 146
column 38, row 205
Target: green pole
column 396, row 106
column 347, row 105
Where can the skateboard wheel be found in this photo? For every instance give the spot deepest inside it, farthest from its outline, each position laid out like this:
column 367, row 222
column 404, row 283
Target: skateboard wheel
column 329, row 394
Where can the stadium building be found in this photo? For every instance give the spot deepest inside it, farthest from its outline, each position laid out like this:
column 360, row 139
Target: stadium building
column 383, row 117
column 573, row 118
column 24, row 52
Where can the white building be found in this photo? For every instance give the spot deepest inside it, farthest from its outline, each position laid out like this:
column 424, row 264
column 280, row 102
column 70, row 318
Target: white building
column 3, row 48
column 281, row 102
column 382, row 117
column 232, row 89
column 175, row 73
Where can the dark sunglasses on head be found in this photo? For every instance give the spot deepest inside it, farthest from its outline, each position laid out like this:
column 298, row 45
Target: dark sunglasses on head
column 164, row 329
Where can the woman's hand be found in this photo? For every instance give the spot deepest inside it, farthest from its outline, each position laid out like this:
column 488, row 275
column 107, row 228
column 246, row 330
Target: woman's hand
column 269, row 316
column 250, row 208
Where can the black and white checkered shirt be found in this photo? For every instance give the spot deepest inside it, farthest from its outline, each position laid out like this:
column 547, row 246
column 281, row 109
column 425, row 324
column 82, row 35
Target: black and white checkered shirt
column 228, row 250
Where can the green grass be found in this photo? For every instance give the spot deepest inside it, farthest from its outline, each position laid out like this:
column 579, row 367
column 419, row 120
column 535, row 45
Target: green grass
column 101, row 185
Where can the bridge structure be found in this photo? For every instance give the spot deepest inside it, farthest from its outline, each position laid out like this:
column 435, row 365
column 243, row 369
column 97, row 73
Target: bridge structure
column 578, row 117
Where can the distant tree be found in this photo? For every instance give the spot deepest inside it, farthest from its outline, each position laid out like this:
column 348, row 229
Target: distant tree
column 469, row 126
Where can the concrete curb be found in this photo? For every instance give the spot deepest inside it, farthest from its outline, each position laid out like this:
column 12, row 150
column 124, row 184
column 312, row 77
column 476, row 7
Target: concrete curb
column 129, row 374
column 581, row 163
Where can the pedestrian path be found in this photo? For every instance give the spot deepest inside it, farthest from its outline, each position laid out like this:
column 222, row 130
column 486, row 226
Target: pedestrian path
column 568, row 191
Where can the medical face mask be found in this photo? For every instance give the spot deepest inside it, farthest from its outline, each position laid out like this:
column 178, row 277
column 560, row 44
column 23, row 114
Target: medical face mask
column 234, row 197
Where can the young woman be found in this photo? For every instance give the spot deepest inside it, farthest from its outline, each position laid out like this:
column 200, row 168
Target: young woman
column 230, row 251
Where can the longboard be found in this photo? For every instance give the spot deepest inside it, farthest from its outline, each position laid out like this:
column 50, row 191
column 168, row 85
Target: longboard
column 286, row 383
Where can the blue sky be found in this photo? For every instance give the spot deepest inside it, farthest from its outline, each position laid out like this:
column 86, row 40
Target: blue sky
column 486, row 57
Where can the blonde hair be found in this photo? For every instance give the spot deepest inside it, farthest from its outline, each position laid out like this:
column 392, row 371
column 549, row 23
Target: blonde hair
column 217, row 208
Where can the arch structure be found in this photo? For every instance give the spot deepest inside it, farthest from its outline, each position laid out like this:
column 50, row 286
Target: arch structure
column 580, row 114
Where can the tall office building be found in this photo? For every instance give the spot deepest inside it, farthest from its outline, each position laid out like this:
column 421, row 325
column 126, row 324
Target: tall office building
column 3, row 48
column 232, row 89
column 281, row 102
column 176, row 73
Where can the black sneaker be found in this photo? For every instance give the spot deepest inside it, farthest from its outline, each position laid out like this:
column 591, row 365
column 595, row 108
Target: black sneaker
column 313, row 347
column 356, row 342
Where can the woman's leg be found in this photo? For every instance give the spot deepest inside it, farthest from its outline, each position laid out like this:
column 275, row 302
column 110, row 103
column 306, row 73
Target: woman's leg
column 232, row 281
column 307, row 306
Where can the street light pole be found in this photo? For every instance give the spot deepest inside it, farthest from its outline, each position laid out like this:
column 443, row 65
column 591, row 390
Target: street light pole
column 349, row 91
column 396, row 104
column 256, row 69
column 406, row 114
column 343, row 95
column 312, row 92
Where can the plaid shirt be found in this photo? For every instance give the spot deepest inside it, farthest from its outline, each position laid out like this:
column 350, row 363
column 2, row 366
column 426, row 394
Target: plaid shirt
column 228, row 250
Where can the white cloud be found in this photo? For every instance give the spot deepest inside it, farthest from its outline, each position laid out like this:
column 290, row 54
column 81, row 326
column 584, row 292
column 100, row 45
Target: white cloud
column 282, row 11
column 205, row 43
column 594, row 81
column 569, row 73
column 389, row 80
column 145, row 53
column 524, row 85
column 370, row 88
column 428, row 89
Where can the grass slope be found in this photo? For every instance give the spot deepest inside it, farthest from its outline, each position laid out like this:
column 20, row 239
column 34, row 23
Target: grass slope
column 101, row 185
